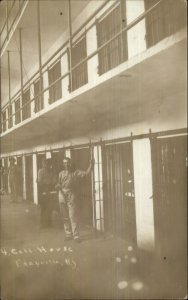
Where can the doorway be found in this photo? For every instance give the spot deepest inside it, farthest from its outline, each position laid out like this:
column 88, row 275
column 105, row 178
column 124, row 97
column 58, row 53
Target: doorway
column 169, row 158
column 5, row 175
column 20, row 176
column 29, row 177
column 119, row 198
column 80, row 160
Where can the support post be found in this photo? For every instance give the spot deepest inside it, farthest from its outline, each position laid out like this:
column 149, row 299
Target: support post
column 7, row 20
column 9, row 85
column 35, row 187
column 39, row 56
column 70, row 42
column 21, row 67
column 24, row 176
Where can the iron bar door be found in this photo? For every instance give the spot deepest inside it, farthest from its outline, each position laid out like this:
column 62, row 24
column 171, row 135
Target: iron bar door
column 119, row 199
column 169, row 157
column 80, row 159
column 29, row 178
column 20, row 176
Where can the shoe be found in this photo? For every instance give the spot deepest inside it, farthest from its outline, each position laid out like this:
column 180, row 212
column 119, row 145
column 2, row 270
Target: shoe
column 67, row 238
column 77, row 240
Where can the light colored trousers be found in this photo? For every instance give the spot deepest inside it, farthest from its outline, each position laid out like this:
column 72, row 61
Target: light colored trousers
column 68, row 211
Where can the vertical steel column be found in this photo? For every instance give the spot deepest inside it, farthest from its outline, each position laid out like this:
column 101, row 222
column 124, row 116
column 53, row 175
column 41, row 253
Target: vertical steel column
column 9, row 86
column 70, row 42
column 123, row 23
column 39, row 53
column 21, row 68
column 7, row 20
column 93, row 190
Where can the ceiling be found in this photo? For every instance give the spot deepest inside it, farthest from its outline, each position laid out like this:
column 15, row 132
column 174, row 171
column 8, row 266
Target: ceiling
column 148, row 92
column 54, row 21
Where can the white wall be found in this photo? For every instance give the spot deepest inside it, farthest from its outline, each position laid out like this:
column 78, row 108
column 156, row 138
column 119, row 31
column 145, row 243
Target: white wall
column 35, row 188
column 136, row 35
column 24, row 176
column 143, row 194
column 92, row 63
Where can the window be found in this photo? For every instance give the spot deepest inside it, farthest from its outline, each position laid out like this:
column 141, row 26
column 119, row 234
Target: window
column 164, row 20
column 115, row 51
column 17, row 112
column 26, row 105
column 38, row 87
column 10, row 116
column 54, row 74
column 4, row 127
column 79, row 74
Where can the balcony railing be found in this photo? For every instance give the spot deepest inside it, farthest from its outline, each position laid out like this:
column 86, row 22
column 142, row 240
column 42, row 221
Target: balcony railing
column 111, row 51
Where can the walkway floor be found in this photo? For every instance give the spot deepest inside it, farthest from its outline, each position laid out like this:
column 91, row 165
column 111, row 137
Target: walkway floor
column 36, row 264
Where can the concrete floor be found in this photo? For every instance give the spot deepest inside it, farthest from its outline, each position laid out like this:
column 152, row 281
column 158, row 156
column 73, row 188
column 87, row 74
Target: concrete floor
column 36, row 264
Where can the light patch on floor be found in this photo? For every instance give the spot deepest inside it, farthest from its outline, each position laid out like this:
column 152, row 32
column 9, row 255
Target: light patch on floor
column 137, row 286
column 122, row 285
column 133, row 260
column 118, row 259
column 130, row 248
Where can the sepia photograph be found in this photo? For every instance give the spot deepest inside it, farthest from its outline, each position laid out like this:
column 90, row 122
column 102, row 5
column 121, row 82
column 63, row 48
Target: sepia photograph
column 93, row 149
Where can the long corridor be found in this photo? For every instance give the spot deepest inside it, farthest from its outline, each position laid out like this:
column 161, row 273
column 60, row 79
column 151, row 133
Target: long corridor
column 37, row 263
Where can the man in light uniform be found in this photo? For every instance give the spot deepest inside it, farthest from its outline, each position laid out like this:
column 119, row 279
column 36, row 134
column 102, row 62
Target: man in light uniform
column 67, row 198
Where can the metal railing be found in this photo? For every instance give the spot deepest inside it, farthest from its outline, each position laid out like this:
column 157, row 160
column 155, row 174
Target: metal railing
column 64, row 49
column 11, row 17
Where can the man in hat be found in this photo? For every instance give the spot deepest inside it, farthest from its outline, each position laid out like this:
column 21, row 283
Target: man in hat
column 67, row 197
column 12, row 173
column 46, row 188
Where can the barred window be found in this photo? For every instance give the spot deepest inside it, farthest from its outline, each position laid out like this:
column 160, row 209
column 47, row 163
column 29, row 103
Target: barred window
column 55, row 91
column 115, row 51
column 26, row 105
column 17, row 112
column 164, row 20
column 39, row 101
column 79, row 74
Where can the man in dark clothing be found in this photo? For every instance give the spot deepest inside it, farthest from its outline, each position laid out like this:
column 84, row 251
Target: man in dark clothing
column 67, row 198
column 12, row 173
column 46, row 182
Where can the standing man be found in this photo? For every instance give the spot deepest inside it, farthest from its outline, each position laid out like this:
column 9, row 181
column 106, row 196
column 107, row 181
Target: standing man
column 67, row 198
column 12, row 173
column 46, row 189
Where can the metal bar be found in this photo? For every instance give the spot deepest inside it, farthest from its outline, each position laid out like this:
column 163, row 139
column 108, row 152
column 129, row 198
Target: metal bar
column 44, row 90
column 122, row 7
column 36, row 74
column 124, row 29
column 7, row 15
column 40, row 99
column 169, row 132
column 93, row 189
column 70, row 43
column 9, row 84
column 21, row 67
column 11, row 26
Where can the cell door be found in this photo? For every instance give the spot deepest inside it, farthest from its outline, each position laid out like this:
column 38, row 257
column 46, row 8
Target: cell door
column 20, row 176
column 40, row 157
column 29, row 178
column 170, row 194
column 5, row 175
column 119, row 198
column 80, row 159
column 57, row 161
